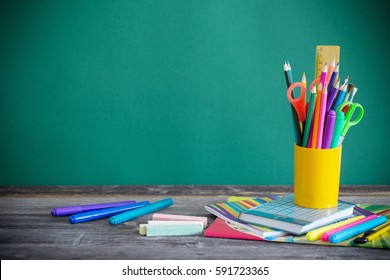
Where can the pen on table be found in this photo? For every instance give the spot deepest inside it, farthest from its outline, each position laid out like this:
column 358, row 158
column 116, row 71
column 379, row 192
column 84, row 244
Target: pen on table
column 296, row 125
column 332, row 78
column 326, row 235
column 316, row 234
column 309, row 117
column 103, row 213
column 70, row 210
column 321, row 119
column 372, row 234
column 338, row 127
column 132, row 214
column 328, row 132
column 331, row 96
column 350, row 232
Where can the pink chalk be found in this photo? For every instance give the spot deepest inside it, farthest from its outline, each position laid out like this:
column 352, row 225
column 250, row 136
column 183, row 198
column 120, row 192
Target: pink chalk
column 168, row 217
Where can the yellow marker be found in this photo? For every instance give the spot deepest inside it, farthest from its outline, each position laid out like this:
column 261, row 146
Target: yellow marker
column 326, row 54
column 382, row 230
column 316, row 234
column 372, row 234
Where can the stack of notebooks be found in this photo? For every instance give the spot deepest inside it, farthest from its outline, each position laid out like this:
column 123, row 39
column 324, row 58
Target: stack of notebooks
column 276, row 218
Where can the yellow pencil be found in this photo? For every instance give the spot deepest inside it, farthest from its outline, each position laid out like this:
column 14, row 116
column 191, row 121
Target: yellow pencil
column 316, row 234
column 303, row 81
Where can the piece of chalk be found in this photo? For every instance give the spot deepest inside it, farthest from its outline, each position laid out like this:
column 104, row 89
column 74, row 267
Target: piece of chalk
column 177, row 223
column 173, row 230
column 132, row 214
column 143, row 227
column 169, row 217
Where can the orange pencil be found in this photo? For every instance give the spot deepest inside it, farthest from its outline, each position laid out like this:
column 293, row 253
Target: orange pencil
column 330, row 70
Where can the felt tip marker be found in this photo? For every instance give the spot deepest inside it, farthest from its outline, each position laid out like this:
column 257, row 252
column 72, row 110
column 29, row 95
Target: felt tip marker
column 132, row 214
column 103, row 213
column 70, row 210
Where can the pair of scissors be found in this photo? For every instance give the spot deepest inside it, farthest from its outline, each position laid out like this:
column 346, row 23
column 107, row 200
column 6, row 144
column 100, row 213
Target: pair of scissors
column 299, row 103
column 347, row 121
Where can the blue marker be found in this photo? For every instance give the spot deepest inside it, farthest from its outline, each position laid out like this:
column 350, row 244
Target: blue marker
column 353, row 231
column 132, row 214
column 103, row 213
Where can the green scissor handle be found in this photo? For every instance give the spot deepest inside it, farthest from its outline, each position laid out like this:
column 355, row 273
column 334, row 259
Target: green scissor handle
column 351, row 109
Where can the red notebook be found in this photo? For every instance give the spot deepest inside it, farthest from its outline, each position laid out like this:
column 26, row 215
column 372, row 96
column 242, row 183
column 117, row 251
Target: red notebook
column 222, row 229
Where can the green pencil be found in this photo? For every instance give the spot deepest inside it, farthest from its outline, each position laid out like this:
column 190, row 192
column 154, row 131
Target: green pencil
column 309, row 117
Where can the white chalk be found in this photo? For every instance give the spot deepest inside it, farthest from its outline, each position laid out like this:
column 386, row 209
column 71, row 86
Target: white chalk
column 143, row 228
column 173, row 229
column 168, row 217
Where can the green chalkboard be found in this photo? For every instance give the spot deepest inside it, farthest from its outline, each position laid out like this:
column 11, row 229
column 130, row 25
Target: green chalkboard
column 179, row 92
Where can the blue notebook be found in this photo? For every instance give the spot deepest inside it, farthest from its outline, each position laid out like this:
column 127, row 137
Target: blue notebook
column 284, row 214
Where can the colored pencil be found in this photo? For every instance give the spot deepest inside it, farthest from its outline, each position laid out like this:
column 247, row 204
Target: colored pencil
column 296, row 124
column 333, row 78
column 316, row 117
column 330, row 70
column 321, row 119
column 309, row 118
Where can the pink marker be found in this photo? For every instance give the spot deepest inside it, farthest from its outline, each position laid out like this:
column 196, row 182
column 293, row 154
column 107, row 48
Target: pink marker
column 325, row 236
column 321, row 119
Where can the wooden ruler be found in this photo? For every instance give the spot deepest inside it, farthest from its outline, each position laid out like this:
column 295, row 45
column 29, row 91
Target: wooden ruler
column 326, row 54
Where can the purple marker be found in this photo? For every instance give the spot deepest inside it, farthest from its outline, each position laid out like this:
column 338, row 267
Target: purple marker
column 70, row 210
column 328, row 133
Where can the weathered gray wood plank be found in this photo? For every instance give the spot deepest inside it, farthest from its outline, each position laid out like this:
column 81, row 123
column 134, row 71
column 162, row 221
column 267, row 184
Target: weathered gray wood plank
column 28, row 231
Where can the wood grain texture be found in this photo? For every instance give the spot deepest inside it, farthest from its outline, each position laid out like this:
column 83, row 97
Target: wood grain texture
column 28, row 231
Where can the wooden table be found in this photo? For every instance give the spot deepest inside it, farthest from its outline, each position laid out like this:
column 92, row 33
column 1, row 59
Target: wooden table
column 28, row 231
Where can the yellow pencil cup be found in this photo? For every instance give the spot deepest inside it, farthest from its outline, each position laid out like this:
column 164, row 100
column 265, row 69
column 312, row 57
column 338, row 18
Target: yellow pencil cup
column 316, row 177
